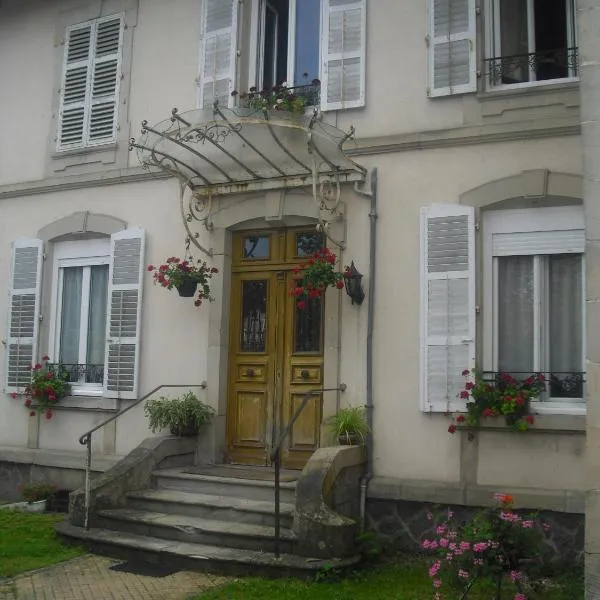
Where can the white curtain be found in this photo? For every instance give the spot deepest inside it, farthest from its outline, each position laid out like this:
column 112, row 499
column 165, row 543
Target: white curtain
column 515, row 314
column 566, row 313
column 97, row 315
column 70, row 324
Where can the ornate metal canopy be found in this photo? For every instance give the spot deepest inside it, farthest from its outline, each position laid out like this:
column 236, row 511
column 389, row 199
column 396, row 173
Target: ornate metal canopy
column 222, row 151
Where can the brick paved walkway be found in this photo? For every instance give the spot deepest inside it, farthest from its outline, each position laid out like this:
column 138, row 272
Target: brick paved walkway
column 89, row 578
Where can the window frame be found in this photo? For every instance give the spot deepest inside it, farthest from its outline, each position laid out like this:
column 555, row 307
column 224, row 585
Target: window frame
column 530, row 220
column 80, row 253
column 492, row 46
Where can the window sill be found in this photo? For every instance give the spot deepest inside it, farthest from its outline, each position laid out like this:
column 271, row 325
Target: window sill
column 83, row 151
column 533, row 88
column 573, row 424
column 89, row 402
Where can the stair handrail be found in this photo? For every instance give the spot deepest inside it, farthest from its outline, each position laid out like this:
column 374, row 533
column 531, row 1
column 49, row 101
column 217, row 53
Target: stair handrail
column 275, row 456
column 86, row 438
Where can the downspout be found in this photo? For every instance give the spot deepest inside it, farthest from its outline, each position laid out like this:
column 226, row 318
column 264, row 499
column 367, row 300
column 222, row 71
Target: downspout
column 372, row 194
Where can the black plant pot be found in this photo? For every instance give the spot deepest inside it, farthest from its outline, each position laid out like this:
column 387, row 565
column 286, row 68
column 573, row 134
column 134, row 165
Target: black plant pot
column 187, row 288
column 350, row 439
column 188, row 430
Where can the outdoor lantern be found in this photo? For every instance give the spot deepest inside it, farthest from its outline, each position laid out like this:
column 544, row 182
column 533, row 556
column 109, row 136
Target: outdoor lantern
column 352, row 279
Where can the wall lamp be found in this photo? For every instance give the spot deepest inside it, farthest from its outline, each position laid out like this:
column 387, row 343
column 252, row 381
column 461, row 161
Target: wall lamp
column 353, row 283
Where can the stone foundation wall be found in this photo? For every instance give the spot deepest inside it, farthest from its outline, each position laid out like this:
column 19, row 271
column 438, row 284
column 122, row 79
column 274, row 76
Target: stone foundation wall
column 404, row 524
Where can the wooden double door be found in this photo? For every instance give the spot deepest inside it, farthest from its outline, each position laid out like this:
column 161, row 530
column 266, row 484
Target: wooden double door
column 275, row 349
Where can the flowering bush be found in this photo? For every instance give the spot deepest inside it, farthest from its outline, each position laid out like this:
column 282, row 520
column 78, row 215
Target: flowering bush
column 279, row 97
column 33, row 492
column 48, row 385
column 497, row 543
column 176, row 273
column 506, row 396
column 314, row 277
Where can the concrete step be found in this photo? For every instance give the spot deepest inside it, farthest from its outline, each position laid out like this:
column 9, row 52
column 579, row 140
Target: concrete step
column 198, row 557
column 252, row 489
column 221, row 508
column 196, row 530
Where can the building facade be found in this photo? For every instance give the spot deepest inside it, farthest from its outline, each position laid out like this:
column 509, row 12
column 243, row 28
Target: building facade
column 467, row 119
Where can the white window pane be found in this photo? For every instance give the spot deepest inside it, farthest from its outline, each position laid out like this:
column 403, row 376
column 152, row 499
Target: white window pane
column 71, row 315
column 96, row 334
column 566, row 324
column 515, row 314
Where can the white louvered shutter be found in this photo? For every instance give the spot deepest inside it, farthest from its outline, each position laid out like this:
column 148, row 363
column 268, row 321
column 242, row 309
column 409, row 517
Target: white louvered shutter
column 452, row 47
column 218, row 52
column 23, row 312
column 106, row 67
column 90, row 87
column 121, row 365
column 343, row 54
column 447, row 304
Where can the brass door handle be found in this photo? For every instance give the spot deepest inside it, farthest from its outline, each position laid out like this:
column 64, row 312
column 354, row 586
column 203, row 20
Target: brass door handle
column 305, row 374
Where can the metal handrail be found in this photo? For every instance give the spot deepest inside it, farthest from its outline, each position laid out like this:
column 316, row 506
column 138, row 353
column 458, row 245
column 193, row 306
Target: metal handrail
column 275, row 456
column 86, row 438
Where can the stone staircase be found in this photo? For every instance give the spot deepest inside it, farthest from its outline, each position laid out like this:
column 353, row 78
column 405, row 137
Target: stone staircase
column 222, row 522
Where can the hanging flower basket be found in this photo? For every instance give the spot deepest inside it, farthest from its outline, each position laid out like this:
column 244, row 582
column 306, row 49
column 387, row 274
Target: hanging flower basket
column 315, row 276
column 185, row 276
column 500, row 396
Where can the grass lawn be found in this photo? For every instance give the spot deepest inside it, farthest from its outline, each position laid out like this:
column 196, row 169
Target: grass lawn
column 28, row 541
column 407, row 580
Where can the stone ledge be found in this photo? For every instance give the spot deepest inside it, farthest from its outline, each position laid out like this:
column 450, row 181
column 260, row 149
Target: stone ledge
column 554, row 424
column 62, row 459
column 387, row 488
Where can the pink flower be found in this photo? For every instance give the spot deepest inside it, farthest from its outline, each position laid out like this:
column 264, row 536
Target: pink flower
column 465, row 546
column 425, row 544
column 515, row 576
column 443, row 542
column 520, row 596
column 441, row 529
column 437, row 583
column 480, row 547
column 14, row 395
column 527, row 524
column 435, row 569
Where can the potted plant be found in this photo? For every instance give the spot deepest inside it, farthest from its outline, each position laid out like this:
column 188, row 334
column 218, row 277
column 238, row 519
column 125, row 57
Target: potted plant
column 279, row 98
column 314, row 277
column 350, row 426
column 37, row 495
column 499, row 396
column 183, row 416
column 49, row 383
column 185, row 276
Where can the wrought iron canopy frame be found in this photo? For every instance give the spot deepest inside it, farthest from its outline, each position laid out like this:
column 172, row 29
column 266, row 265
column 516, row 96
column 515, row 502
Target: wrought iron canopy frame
column 222, row 151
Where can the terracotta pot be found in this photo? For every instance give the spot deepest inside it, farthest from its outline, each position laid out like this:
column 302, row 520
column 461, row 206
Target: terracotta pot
column 187, row 288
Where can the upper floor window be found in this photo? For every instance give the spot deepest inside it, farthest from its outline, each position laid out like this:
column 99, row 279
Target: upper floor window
column 528, row 42
column 296, row 41
column 90, row 84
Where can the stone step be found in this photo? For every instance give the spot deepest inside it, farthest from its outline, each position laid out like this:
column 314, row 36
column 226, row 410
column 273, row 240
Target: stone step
column 197, row 557
column 196, row 530
column 252, row 489
column 221, row 508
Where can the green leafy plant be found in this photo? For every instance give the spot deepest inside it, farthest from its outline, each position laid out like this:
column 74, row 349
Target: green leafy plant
column 49, row 383
column 183, row 415
column 503, row 396
column 311, row 279
column 278, row 98
column 176, row 273
column 497, row 543
column 33, row 492
column 349, row 423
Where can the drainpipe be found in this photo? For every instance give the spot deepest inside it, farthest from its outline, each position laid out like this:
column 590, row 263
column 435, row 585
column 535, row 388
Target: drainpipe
column 372, row 194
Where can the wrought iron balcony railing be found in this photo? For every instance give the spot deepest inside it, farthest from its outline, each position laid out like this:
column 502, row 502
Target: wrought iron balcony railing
column 310, row 92
column 536, row 66
column 567, row 384
column 81, row 373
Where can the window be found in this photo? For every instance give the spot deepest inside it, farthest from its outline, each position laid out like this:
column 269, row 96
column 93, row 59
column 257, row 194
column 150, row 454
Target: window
column 95, row 291
column 296, row 41
column 534, row 299
column 81, row 275
column 90, row 84
column 531, row 40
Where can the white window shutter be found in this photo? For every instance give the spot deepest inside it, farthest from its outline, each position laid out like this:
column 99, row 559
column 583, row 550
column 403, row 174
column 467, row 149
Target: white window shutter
column 106, row 69
column 452, row 47
column 125, row 283
column 447, row 304
column 23, row 312
column 343, row 54
column 218, row 52
column 74, row 97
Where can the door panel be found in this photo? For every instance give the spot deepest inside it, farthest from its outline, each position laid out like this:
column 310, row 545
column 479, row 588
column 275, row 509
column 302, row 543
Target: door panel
column 276, row 350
